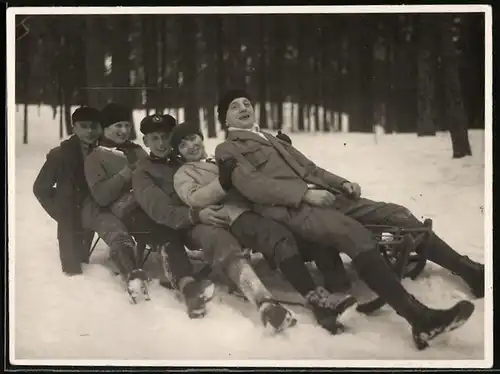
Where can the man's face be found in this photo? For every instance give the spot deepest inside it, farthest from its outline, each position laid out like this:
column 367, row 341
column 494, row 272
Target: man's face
column 240, row 114
column 87, row 131
column 192, row 148
column 118, row 132
column 158, row 143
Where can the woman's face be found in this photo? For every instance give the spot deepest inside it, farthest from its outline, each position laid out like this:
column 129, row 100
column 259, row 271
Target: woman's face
column 118, row 132
column 192, row 148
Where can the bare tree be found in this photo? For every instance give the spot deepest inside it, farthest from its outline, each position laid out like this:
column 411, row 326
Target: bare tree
column 426, row 67
column 455, row 110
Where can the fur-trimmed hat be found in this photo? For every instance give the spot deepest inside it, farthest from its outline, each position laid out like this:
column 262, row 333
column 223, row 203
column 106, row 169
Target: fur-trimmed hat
column 85, row 113
column 158, row 123
column 113, row 113
column 225, row 100
column 181, row 131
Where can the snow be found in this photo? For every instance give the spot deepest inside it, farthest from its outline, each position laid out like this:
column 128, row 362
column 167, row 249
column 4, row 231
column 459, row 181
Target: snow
column 88, row 317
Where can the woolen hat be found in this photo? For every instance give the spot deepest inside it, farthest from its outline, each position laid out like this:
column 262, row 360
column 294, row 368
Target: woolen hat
column 158, row 123
column 181, row 131
column 85, row 113
column 224, row 102
column 113, row 113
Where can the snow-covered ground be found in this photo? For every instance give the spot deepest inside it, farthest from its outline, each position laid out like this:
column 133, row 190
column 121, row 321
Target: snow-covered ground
column 89, row 317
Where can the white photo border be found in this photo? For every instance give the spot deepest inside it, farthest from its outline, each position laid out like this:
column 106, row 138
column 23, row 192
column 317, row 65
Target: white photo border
column 488, row 192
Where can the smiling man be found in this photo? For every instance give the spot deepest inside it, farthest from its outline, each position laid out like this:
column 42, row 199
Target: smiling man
column 328, row 209
column 108, row 170
column 61, row 189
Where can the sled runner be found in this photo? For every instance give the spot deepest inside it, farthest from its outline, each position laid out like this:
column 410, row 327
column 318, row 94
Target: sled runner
column 397, row 245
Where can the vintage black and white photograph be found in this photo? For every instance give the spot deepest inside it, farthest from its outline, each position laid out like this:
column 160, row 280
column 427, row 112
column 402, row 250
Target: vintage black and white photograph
column 250, row 186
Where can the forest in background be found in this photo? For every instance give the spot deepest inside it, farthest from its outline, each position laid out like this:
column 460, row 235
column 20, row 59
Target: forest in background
column 418, row 73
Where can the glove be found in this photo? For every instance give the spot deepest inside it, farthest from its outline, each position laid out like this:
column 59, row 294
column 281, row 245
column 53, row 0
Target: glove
column 129, row 150
column 284, row 137
column 353, row 190
column 226, row 168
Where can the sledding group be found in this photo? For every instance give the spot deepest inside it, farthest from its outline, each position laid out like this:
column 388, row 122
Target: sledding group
column 258, row 192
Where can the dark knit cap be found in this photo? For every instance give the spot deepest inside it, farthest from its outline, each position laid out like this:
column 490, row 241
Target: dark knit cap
column 181, row 131
column 158, row 123
column 225, row 100
column 113, row 113
column 84, row 114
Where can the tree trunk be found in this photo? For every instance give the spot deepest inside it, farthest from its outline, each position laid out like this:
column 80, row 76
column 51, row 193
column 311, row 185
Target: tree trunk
column 472, row 72
column 23, row 50
column 426, row 66
column 189, row 69
column 120, row 67
column 25, row 124
column 219, row 56
column 278, row 65
column 402, row 106
column 455, row 111
column 67, row 114
column 60, row 97
column 149, row 61
column 361, row 72
column 262, row 69
column 209, row 33
column 301, row 38
column 235, row 58
column 94, row 61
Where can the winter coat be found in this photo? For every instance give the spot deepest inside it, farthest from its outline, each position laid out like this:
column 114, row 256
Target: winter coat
column 61, row 189
column 197, row 185
column 153, row 187
column 108, row 187
column 271, row 173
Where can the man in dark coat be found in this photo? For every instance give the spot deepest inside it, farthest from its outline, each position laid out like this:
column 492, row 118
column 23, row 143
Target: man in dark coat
column 61, row 189
column 327, row 209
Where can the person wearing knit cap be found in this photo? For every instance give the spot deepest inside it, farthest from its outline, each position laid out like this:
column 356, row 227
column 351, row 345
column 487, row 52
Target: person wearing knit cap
column 61, row 189
column 327, row 209
column 183, row 131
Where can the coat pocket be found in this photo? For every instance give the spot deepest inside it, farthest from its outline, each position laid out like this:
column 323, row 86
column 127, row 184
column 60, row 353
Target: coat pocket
column 256, row 156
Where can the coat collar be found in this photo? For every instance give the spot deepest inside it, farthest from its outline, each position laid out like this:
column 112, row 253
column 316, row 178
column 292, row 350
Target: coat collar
column 248, row 135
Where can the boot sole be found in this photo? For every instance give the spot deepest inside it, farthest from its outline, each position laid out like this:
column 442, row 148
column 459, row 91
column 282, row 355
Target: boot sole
column 196, row 307
column 287, row 321
column 371, row 306
column 345, row 305
column 330, row 323
column 198, row 313
column 464, row 313
column 333, row 326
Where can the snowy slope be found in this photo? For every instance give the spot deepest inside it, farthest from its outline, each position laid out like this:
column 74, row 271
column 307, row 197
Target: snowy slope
column 89, row 318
